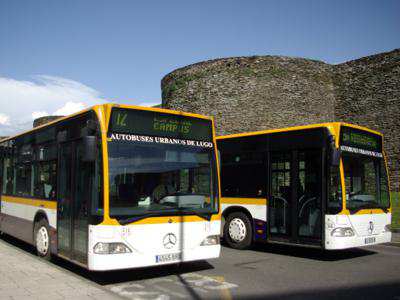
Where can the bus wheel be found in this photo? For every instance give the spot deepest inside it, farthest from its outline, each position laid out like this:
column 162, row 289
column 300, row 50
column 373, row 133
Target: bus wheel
column 237, row 231
column 42, row 239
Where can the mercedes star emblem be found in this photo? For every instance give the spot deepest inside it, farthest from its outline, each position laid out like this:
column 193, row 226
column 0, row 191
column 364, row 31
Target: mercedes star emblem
column 169, row 240
column 371, row 227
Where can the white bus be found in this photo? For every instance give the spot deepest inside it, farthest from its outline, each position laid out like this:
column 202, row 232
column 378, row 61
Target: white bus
column 323, row 185
column 114, row 187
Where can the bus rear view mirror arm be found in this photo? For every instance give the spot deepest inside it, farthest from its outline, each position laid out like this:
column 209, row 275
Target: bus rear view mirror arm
column 335, row 157
column 89, row 148
column 335, row 153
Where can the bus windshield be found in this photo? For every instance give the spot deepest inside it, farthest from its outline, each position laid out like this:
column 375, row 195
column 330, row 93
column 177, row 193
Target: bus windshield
column 160, row 179
column 366, row 182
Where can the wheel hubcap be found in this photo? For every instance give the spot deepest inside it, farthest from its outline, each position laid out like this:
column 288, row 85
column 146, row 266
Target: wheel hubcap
column 42, row 240
column 237, row 230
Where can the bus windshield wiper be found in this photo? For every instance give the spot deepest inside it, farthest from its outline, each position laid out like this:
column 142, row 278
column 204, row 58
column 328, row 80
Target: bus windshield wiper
column 204, row 215
column 138, row 218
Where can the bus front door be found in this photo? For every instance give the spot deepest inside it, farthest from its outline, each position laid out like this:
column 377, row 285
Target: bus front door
column 294, row 209
column 73, row 198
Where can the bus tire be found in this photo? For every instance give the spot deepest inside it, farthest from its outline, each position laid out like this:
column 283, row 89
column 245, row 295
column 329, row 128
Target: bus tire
column 41, row 239
column 238, row 232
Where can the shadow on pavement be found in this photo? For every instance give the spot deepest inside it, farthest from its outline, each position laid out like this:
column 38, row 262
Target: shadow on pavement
column 390, row 290
column 17, row 243
column 113, row 277
column 312, row 253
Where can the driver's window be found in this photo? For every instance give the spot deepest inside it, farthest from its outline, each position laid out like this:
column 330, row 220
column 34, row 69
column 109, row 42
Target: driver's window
column 334, row 191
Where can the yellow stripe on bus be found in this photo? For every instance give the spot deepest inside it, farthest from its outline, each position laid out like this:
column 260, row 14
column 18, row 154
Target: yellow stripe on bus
column 164, row 220
column 31, row 202
column 241, row 201
column 370, row 211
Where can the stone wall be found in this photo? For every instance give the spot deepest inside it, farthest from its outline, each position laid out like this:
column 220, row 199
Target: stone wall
column 367, row 92
column 253, row 93
column 264, row 92
column 43, row 120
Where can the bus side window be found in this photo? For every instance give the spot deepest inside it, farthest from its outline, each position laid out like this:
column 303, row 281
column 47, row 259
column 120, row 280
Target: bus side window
column 45, row 165
column 8, row 175
column 45, row 180
column 244, row 175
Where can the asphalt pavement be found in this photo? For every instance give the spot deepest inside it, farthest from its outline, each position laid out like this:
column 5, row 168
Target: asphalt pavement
column 263, row 272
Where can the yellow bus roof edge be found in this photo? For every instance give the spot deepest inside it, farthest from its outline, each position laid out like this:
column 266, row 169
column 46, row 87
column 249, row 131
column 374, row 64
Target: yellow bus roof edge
column 293, row 128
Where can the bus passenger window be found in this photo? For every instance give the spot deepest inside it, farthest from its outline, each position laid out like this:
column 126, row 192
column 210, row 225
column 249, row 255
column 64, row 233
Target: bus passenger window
column 45, row 180
column 9, row 186
column 244, row 175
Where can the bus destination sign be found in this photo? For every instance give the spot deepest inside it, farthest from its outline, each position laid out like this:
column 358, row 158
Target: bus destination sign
column 359, row 141
column 159, row 124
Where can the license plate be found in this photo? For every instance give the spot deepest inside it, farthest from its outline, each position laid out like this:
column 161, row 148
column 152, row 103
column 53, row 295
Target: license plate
column 369, row 240
column 168, row 257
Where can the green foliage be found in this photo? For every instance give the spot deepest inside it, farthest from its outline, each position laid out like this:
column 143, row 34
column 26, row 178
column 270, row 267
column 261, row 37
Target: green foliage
column 180, row 81
column 273, row 71
column 276, row 71
column 323, row 78
column 395, row 210
column 248, row 71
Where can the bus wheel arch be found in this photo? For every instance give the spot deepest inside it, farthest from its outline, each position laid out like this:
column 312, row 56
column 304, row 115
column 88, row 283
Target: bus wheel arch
column 238, row 227
column 42, row 235
column 41, row 214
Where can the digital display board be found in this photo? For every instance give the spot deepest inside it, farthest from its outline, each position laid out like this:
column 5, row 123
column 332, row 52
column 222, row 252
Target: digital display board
column 159, row 124
column 359, row 139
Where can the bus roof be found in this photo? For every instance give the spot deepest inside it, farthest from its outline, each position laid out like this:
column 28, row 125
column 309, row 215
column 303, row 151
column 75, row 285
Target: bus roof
column 110, row 106
column 330, row 125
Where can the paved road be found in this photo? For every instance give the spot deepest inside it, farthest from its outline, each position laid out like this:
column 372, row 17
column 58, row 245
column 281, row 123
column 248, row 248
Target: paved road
column 265, row 272
column 23, row 275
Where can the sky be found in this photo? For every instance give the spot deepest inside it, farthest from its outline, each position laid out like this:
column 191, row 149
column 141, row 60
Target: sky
column 58, row 57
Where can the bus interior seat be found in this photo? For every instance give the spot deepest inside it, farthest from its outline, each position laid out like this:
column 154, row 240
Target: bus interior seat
column 312, row 224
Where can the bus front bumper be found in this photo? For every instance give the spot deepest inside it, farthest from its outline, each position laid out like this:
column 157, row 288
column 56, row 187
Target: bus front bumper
column 337, row 243
column 107, row 262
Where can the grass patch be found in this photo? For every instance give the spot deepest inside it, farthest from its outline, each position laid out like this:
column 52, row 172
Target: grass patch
column 395, row 210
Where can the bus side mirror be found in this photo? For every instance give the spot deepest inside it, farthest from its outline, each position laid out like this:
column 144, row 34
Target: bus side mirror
column 335, row 157
column 89, row 148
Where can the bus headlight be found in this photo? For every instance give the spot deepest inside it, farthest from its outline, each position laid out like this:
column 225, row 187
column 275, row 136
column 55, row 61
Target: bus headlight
column 111, row 248
column 210, row 240
column 342, row 231
column 387, row 228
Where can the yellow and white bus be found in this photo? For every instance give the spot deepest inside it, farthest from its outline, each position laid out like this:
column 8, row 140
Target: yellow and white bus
column 114, row 187
column 323, row 185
